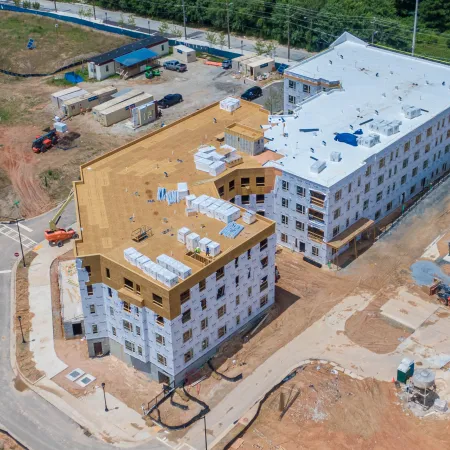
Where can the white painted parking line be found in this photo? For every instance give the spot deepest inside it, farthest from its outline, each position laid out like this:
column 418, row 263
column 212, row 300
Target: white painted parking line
column 21, row 225
column 5, row 271
column 14, row 235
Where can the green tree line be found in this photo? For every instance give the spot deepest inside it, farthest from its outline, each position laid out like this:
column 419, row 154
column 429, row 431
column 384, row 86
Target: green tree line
column 311, row 24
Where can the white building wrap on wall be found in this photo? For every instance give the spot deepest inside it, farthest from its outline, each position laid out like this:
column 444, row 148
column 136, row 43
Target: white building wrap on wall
column 246, row 290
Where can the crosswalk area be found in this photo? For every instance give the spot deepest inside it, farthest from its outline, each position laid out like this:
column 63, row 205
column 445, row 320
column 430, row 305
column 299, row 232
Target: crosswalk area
column 14, row 235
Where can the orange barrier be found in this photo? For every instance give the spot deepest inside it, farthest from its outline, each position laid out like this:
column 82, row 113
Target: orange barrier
column 211, row 63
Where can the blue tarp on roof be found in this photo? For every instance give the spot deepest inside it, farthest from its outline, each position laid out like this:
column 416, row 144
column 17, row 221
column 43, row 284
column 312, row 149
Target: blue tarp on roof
column 136, row 57
column 347, row 138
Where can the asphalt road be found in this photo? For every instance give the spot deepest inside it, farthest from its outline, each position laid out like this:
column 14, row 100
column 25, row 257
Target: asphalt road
column 237, row 43
column 33, row 421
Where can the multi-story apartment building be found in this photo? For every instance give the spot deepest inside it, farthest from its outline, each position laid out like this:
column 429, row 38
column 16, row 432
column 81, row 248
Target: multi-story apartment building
column 368, row 130
column 151, row 293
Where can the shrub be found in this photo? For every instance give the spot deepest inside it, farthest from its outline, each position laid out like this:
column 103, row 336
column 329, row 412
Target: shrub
column 36, row 5
column 26, row 4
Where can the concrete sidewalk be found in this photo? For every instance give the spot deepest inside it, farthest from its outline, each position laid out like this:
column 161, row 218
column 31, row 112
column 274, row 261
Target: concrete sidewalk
column 120, row 425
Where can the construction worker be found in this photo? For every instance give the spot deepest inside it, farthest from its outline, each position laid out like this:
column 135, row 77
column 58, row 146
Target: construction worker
column 207, row 251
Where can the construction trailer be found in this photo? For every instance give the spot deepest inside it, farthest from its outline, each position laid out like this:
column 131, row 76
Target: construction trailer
column 76, row 105
column 97, row 110
column 184, row 54
column 58, row 98
column 122, row 111
column 144, row 114
column 237, row 64
column 136, row 62
column 103, row 66
column 257, row 66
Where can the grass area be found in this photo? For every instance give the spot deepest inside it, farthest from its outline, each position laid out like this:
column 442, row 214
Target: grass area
column 434, row 47
column 209, row 57
column 55, row 46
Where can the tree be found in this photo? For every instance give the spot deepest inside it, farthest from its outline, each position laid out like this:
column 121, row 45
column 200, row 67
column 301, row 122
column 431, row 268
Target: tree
column 274, row 98
column 131, row 21
column 260, row 47
column 222, row 39
column 176, row 31
column 211, row 38
column 271, row 46
column 121, row 21
column 81, row 12
column 88, row 13
column 163, row 27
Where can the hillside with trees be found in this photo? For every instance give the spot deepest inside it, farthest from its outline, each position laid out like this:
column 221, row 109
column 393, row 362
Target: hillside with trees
column 312, row 24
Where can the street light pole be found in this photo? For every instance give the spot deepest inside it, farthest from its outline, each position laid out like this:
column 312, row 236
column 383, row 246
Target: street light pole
column 55, row 6
column 21, row 330
column 20, row 240
column 148, row 21
column 104, row 396
column 289, row 32
column 184, row 19
column 93, row 4
column 106, row 17
column 416, row 13
column 228, row 23
column 206, row 441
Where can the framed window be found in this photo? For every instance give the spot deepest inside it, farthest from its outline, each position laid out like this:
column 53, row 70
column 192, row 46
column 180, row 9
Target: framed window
column 336, row 230
column 429, row 131
column 389, row 206
column 185, row 296
column 378, row 214
column 186, row 316
column 138, row 289
column 367, row 188
column 126, row 307
column 260, row 198
column 202, row 285
column 231, row 185
column 407, row 146
column 285, row 203
column 238, row 320
column 357, row 199
column 111, row 311
column 245, row 182
column 427, row 148
column 380, row 179
column 379, row 196
column 405, row 163
column 260, row 181
column 301, row 191
column 365, row 204
column 300, row 226
column 161, row 359
column 129, row 346
column 94, row 329
column 300, row 209
column 220, row 273
column 108, row 273
column 249, row 291
column 222, row 331
column 220, row 292
column 284, row 238
column 237, row 280
column 381, row 163
column 285, row 185
column 416, row 155
column 187, row 335
column 109, row 292
column 88, row 270
column 160, row 339
column 238, row 300
column 188, row 355
column 107, row 68
column 92, row 309
column 415, row 171
column 205, row 344
column 348, row 205
column 264, row 262
column 203, row 303
column 236, row 263
column 284, row 219
column 418, row 139
column 249, row 311
column 221, row 191
column 368, row 170
column 292, row 84
column 159, row 321
column 114, row 332
column 221, row 311
column 263, row 301
column 292, row 99
column 263, row 285
column 263, row 245
column 90, row 290
column 128, row 284
column 403, row 180
column 204, row 323
column 128, row 326
column 338, row 195
column 157, row 300
column 336, row 213
column 349, row 187
column 306, row 88
column 315, row 251
column 245, row 199
column 138, row 330
column 139, row 350
column 412, row 190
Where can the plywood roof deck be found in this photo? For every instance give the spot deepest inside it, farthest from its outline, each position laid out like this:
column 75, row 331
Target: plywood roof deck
column 114, row 194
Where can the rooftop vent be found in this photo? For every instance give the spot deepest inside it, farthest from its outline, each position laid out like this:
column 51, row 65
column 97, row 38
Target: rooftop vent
column 318, row 166
column 411, row 112
column 385, row 127
column 369, row 140
column 335, row 156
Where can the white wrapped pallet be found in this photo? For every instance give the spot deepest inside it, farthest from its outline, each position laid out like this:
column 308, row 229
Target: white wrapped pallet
column 200, row 156
column 234, row 213
column 249, row 217
column 216, row 168
column 203, row 243
column 228, row 150
column 141, row 261
column 134, row 258
column 230, row 104
column 203, row 207
column 149, row 268
column 211, row 209
column 158, row 270
column 163, row 261
column 167, row 278
column 219, row 213
column 189, row 199
column 181, row 270
column 196, row 202
column 206, row 149
column 203, row 164
column 128, row 252
column 214, row 248
column 182, row 233
column 192, row 241
column 183, row 190
column 217, row 156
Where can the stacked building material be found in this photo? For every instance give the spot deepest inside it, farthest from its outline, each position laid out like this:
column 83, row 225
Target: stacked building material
column 232, row 230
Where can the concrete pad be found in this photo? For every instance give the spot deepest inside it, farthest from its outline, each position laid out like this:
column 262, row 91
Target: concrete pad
column 71, row 307
column 408, row 309
column 432, row 251
column 119, row 414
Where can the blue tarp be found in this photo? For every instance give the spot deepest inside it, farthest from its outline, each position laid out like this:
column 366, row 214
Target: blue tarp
column 72, row 77
column 347, row 138
column 136, row 57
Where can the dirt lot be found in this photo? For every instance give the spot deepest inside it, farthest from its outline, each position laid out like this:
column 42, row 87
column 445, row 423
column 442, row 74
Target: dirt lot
column 8, row 443
column 338, row 412
column 24, row 357
column 55, row 46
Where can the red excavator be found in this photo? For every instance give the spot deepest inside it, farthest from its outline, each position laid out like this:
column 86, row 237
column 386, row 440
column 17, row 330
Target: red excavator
column 42, row 143
column 55, row 235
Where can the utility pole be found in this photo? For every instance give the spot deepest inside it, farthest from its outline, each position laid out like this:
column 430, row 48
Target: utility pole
column 55, row 6
column 93, row 7
column 206, row 440
column 20, row 241
column 289, row 31
column 228, row 23
column 416, row 13
column 310, row 32
column 184, row 19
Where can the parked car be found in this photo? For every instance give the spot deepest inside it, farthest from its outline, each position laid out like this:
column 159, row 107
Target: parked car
column 175, row 65
column 170, row 100
column 226, row 64
column 252, row 93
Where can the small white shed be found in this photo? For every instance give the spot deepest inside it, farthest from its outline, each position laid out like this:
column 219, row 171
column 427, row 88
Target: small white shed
column 184, row 54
